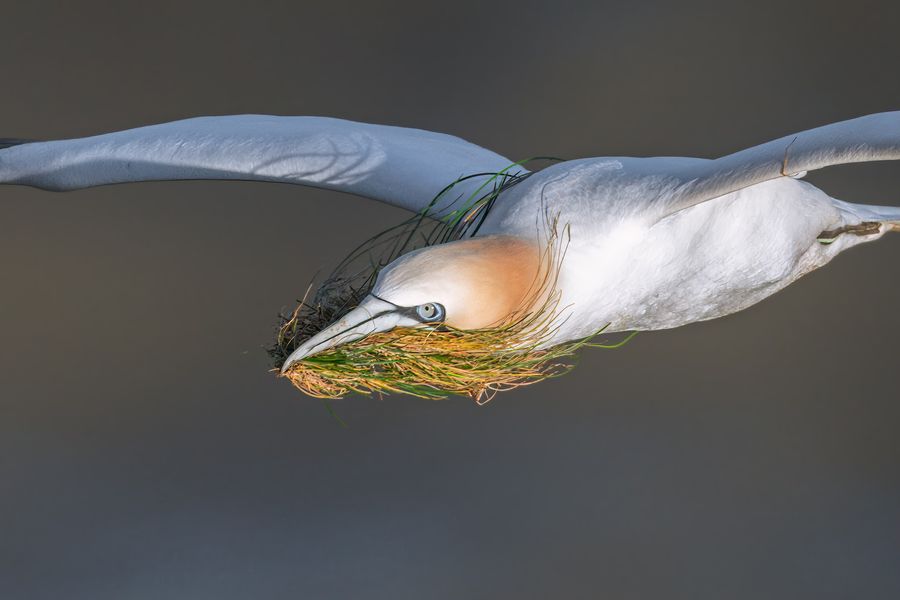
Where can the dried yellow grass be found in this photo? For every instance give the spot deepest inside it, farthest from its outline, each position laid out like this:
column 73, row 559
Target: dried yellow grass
column 435, row 363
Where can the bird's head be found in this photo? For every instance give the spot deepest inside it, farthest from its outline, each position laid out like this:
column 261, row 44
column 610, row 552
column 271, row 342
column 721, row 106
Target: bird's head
column 470, row 284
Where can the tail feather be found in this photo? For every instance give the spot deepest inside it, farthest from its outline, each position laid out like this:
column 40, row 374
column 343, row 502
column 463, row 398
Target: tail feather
column 889, row 215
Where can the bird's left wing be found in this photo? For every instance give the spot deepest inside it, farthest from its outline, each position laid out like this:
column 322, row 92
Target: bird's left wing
column 399, row 166
column 869, row 138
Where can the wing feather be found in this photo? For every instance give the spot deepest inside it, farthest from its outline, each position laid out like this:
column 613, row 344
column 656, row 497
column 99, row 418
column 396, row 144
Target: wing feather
column 399, row 166
column 870, row 138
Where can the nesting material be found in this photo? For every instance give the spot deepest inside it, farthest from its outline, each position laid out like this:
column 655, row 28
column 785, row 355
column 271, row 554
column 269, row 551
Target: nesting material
column 433, row 363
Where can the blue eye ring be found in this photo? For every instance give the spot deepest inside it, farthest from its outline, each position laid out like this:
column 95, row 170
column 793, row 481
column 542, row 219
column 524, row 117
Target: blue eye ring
column 431, row 312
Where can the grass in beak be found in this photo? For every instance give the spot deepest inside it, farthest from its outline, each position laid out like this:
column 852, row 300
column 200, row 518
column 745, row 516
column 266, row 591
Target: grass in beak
column 436, row 363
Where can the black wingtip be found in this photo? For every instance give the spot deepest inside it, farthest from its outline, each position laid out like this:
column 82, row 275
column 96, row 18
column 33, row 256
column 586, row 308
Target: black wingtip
column 8, row 142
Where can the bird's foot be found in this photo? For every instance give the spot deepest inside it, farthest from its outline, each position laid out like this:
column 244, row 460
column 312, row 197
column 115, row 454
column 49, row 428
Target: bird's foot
column 864, row 228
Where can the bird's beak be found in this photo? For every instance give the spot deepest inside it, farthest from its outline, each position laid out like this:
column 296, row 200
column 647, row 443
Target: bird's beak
column 371, row 316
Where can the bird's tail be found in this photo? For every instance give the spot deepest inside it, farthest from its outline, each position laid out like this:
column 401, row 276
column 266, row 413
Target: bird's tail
column 886, row 215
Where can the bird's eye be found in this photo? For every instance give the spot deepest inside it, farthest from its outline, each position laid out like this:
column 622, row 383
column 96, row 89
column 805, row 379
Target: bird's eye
column 430, row 312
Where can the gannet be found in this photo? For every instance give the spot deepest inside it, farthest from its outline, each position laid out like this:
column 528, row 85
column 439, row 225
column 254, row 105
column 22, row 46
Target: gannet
column 651, row 243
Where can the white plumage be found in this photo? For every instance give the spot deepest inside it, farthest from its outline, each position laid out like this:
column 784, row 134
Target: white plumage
column 630, row 268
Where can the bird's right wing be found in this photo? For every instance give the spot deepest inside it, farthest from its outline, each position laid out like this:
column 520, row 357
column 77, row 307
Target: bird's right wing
column 400, row 166
column 870, row 138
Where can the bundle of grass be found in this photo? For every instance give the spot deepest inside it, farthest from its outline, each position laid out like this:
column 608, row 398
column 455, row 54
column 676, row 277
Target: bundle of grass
column 428, row 362
column 434, row 363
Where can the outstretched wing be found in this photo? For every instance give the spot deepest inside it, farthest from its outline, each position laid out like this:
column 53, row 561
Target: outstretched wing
column 399, row 166
column 869, row 138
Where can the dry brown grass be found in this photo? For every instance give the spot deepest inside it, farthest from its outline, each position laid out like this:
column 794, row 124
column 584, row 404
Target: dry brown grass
column 435, row 363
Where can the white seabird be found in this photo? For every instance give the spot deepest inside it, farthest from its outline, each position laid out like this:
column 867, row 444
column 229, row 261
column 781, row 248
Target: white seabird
column 654, row 243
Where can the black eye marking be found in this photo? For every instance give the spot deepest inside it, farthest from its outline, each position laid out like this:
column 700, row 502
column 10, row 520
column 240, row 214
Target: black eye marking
column 430, row 312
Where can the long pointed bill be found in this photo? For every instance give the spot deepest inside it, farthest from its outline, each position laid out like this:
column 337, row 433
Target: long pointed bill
column 371, row 316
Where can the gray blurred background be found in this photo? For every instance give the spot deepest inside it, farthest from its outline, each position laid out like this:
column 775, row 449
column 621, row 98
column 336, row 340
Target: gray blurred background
column 146, row 452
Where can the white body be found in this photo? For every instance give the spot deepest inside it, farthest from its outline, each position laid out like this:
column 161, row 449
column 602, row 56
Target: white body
column 626, row 268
